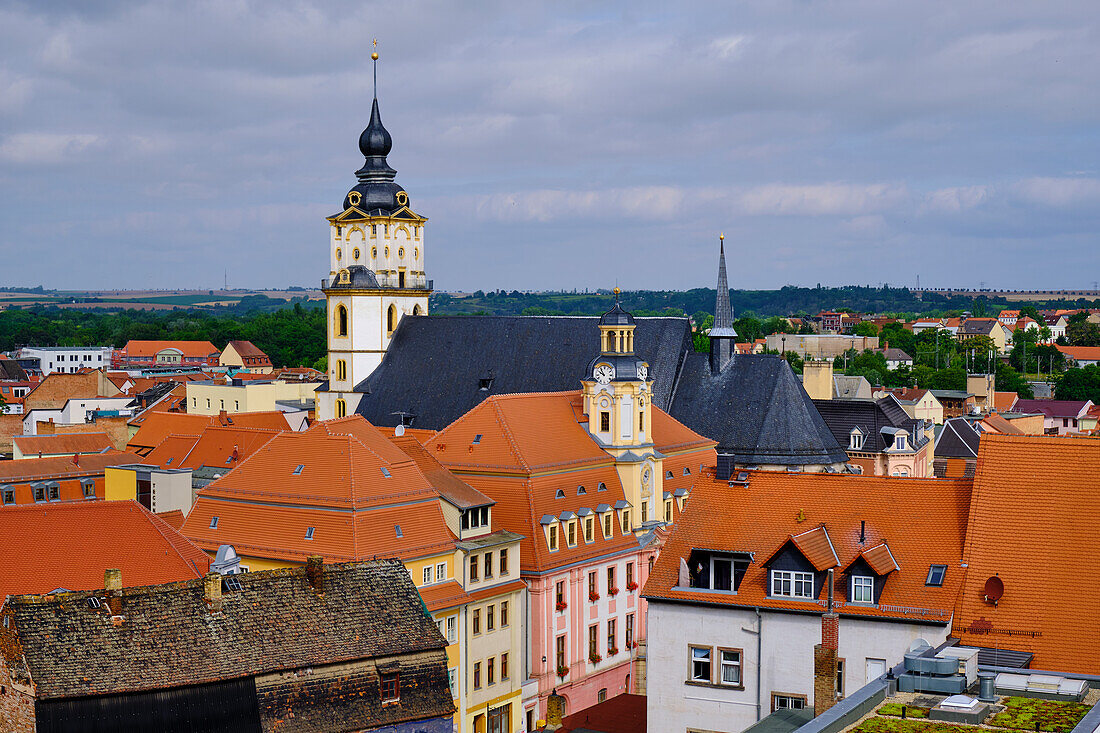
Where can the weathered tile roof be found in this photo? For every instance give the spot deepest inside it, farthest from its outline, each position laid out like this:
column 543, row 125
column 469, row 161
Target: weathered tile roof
column 1033, row 524
column 922, row 520
column 63, row 443
column 154, row 426
column 1052, row 408
column 1080, row 353
column 70, row 544
column 1004, row 401
column 247, row 348
column 169, row 638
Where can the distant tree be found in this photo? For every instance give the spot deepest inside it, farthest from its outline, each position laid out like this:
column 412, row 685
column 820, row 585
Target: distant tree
column 1030, row 311
column 775, row 324
column 1080, row 332
column 321, row 364
column 749, row 328
column 1079, row 384
column 1008, row 379
column 795, row 361
column 865, row 328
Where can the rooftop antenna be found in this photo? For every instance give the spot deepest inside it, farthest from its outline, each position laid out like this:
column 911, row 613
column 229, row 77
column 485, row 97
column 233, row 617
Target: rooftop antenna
column 374, row 58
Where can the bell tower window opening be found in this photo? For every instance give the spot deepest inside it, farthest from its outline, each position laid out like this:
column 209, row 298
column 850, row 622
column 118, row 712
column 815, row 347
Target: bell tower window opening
column 341, row 369
column 605, row 421
column 339, row 253
column 341, row 408
column 341, row 321
column 401, row 278
column 416, row 310
column 391, row 319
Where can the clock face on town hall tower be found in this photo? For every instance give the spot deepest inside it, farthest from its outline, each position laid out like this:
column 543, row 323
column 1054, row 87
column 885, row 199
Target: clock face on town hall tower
column 603, row 373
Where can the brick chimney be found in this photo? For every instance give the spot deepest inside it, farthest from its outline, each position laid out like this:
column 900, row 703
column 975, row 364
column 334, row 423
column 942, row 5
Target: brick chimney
column 212, row 592
column 223, row 417
column 825, row 657
column 112, row 583
column 315, row 573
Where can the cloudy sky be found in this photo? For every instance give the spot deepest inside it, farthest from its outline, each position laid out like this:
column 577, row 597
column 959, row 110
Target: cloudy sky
column 556, row 145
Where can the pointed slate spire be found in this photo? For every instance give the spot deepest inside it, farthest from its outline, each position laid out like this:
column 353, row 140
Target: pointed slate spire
column 722, row 335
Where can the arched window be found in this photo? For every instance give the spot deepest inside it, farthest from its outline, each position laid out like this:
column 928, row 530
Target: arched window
column 416, row 310
column 391, row 319
column 341, row 369
column 341, row 408
column 341, row 321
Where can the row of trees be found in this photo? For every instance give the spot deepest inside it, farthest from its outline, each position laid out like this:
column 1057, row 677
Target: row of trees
column 292, row 336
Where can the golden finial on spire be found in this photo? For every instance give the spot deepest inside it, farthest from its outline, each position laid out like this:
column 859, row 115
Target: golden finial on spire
column 721, row 236
column 374, row 54
column 616, row 291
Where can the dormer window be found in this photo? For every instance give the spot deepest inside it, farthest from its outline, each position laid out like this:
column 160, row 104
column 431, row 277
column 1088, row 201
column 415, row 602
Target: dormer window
column 792, row 584
column 855, row 439
column 552, row 537
column 475, row 518
column 899, row 442
column 862, row 589
column 607, row 525
column 571, row 533
column 581, row 491
column 717, row 571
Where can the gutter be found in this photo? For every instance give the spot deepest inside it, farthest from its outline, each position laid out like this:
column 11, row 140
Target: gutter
column 759, row 661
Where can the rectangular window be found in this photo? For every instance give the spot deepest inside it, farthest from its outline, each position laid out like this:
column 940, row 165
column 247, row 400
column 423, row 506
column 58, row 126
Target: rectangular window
column 605, row 422
column 553, row 537
column 629, row 575
column 391, row 687
column 589, row 529
column 863, row 589
column 593, row 641
column 473, row 567
column 490, row 670
column 476, row 623
column 490, row 618
column 559, row 652
column 839, row 678
column 730, row 660
column 784, row 701
column 451, row 674
column 54, row 492
column 611, row 588
column 9, row 496
column 641, row 422
column 935, row 575
column 504, row 666
column 612, row 644
column 427, row 575
column 668, row 511
column 792, row 584
column 626, row 521
column 559, row 593
column 592, row 592
column 504, row 561
column 629, row 630
column 452, row 629
column 607, row 525
column 477, row 675
column 571, row 533
column 700, row 664
column 645, row 512
column 504, row 613
column 441, row 571
column 488, row 564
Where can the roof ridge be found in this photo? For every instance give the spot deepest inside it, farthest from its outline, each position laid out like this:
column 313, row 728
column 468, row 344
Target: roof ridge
column 508, row 435
column 156, row 522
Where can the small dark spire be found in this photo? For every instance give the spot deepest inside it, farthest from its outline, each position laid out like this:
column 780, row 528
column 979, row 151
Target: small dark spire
column 723, row 312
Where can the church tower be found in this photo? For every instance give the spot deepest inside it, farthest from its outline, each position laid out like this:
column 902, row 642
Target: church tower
column 376, row 273
column 722, row 335
column 617, row 398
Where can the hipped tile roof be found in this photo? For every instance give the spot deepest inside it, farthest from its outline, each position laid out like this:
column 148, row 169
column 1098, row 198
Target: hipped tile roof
column 74, row 542
column 154, row 426
column 136, row 349
column 62, row 443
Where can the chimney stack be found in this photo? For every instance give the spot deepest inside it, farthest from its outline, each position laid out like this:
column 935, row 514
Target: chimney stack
column 315, row 573
column 825, row 657
column 112, row 583
column 212, row 591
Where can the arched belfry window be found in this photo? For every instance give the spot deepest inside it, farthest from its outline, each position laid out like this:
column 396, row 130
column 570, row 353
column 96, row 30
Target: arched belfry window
column 341, row 321
column 391, row 319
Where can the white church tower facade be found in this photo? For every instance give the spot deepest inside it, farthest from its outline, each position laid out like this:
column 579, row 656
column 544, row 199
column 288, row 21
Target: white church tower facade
column 376, row 274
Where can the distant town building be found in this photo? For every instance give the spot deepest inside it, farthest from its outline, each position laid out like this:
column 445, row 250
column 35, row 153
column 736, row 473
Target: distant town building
column 166, row 354
column 819, row 345
column 245, row 355
column 67, row 359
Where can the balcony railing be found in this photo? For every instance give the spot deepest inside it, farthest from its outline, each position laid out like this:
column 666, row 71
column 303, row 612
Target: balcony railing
column 412, row 282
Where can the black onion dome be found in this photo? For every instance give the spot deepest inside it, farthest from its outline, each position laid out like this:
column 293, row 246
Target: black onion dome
column 617, row 317
column 376, row 189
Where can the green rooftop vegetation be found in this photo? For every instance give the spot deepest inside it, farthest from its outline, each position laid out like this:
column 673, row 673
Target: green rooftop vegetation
column 1025, row 713
column 897, row 710
column 879, row 724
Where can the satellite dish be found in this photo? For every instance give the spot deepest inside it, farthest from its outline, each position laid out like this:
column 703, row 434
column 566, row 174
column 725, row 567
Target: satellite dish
column 994, row 589
column 399, row 430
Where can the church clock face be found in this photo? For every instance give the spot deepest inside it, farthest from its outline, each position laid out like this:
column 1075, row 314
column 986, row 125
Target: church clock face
column 603, row 373
column 643, row 371
column 647, row 476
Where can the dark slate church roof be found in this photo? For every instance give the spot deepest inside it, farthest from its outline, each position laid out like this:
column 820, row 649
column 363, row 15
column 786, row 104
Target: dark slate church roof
column 756, row 409
column 435, row 367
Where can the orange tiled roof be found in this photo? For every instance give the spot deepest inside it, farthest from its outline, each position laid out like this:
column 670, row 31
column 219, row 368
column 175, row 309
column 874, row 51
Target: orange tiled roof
column 995, row 423
column 247, row 348
column 136, row 349
column 63, row 443
column 451, row 487
column 444, row 595
column 355, row 489
column 173, row 518
column 70, row 550
column 533, row 445
column 1080, row 353
column 816, row 546
column 1033, row 524
column 880, row 559
column 922, row 520
column 44, row 469
column 155, row 426
column 1003, row 401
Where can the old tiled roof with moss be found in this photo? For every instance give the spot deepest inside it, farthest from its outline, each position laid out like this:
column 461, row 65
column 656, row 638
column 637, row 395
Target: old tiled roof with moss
column 1033, row 524
column 168, row 636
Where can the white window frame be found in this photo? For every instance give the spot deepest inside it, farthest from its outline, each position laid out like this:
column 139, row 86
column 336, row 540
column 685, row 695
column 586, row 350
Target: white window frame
column 707, row 659
column 785, row 584
column 427, row 575
column 452, row 629
column 863, row 589
column 441, row 571
column 734, row 664
column 855, row 439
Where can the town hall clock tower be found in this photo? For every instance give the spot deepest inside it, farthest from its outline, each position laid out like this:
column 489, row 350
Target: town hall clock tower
column 376, row 274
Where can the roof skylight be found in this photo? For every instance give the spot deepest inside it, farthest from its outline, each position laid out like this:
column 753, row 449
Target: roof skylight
column 299, row 469
column 213, row 523
column 386, row 472
column 397, row 529
column 309, row 533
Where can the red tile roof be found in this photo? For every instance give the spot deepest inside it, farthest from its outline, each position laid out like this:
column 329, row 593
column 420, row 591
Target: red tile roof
column 922, row 520
column 217, row 446
column 1080, row 353
column 136, row 349
column 359, row 492
column 154, row 427
column 530, row 446
column 620, row 714
column 1033, row 524
column 1003, row 401
column 247, row 348
column 75, row 542
column 815, row 546
column 63, row 443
